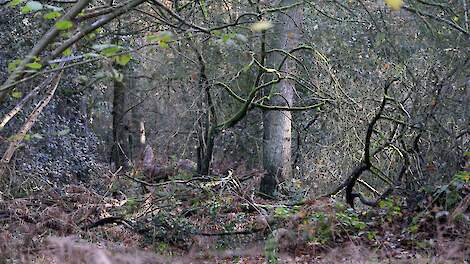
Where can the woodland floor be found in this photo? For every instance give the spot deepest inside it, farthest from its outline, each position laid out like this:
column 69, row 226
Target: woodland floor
column 116, row 219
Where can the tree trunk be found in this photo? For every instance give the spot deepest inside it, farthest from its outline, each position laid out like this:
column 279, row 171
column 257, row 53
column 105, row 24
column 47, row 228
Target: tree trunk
column 207, row 125
column 277, row 124
column 120, row 148
column 205, row 151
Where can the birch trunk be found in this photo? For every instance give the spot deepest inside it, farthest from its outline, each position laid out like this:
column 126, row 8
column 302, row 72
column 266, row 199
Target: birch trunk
column 277, row 124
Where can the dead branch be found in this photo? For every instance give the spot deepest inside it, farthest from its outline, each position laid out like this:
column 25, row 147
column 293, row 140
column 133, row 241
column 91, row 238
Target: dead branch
column 19, row 106
column 366, row 163
column 18, row 138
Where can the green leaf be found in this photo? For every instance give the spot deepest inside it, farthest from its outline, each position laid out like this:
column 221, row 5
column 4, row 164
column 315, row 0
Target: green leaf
column 163, row 44
column 281, row 212
column 34, row 65
column 372, row 235
column 93, row 34
column 63, row 24
column 16, row 94
column 359, row 225
column 14, row 3
column 67, row 52
column 463, row 176
column 123, row 59
column 25, row 9
column 90, row 36
column 12, row 65
column 82, row 13
column 163, row 38
column 227, row 37
column 52, row 15
column 151, row 38
column 110, row 51
column 107, row 49
column 395, row 5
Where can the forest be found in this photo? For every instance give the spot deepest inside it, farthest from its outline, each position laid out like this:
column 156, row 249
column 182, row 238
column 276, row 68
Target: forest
column 234, row 131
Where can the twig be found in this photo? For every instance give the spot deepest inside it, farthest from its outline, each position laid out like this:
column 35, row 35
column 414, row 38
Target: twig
column 168, row 182
column 106, row 221
column 242, row 232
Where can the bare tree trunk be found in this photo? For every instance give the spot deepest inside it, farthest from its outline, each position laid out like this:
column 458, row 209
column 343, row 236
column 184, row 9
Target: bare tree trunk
column 120, row 148
column 207, row 125
column 277, row 124
column 205, row 151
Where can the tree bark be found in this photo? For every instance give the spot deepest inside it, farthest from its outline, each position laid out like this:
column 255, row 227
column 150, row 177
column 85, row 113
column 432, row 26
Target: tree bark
column 277, row 124
column 205, row 151
column 207, row 125
column 120, row 148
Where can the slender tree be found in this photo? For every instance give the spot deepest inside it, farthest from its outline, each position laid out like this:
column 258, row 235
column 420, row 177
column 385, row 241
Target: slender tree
column 277, row 124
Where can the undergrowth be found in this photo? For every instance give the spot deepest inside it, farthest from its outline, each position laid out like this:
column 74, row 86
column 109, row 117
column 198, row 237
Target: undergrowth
column 223, row 221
